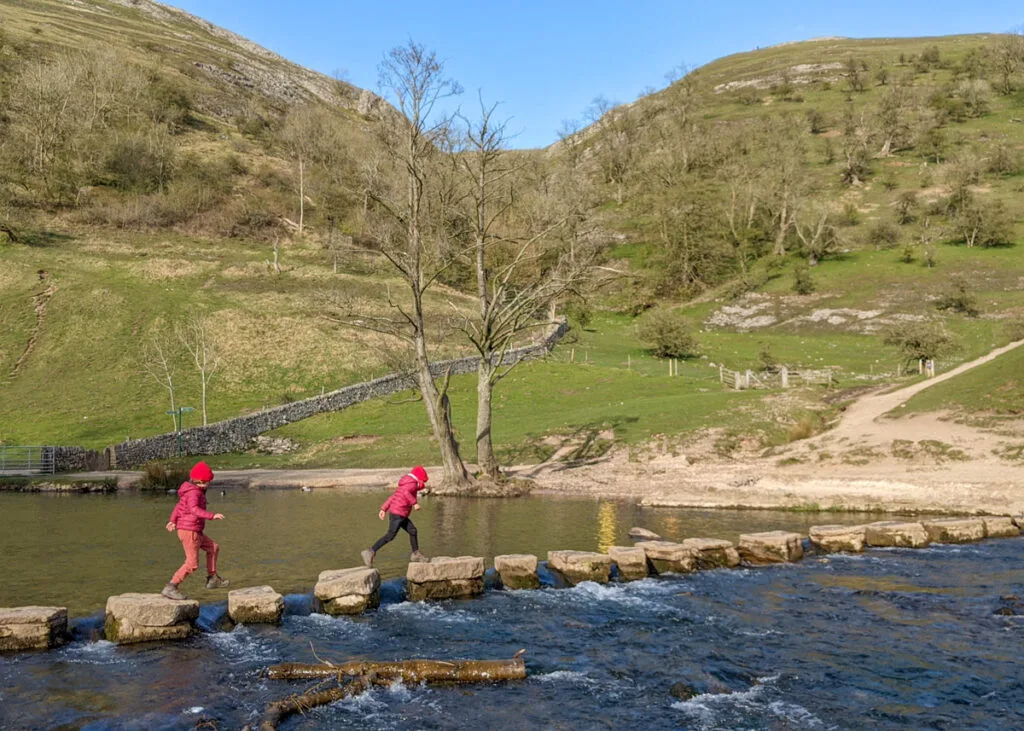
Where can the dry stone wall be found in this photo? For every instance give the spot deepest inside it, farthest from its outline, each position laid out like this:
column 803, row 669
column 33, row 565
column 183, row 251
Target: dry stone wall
column 237, row 435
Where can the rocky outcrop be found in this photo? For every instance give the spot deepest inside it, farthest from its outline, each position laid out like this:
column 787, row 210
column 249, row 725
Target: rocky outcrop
column 579, row 566
column 713, row 553
column 666, row 557
column 445, row 577
column 631, row 560
column 836, row 538
column 893, row 533
column 955, row 530
column 517, row 571
column 255, row 605
column 775, row 546
column 348, row 591
column 32, row 628
column 642, row 534
column 1000, row 527
column 149, row 617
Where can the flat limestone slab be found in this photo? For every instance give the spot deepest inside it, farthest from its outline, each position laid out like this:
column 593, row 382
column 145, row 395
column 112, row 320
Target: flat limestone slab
column 446, row 589
column 1000, row 527
column 32, row 628
column 518, row 570
column 446, row 568
column 895, row 533
column 631, row 560
column 348, row 591
column 713, row 553
column 955, row 530
column 642, row 534
column 775, row 546
column 669, row 557
column 835, row 538
column 255, row 605
column 579, row 566
column 149, row 617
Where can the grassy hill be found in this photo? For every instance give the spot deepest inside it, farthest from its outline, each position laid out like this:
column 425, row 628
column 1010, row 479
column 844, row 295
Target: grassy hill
column 117, row 255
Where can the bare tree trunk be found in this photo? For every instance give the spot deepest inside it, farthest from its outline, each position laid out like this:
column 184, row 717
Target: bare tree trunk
column 485, row 458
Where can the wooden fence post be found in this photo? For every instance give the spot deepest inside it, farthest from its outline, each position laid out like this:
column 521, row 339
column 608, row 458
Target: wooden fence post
column 785, row 377
column 721, row 374
column 748, row 378
column 738, row 381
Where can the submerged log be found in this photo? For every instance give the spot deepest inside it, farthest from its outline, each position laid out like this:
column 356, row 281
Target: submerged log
column 409, row 671
column 279, row 710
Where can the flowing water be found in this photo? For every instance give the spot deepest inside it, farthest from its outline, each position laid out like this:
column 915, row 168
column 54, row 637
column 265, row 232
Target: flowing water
column 889, row 639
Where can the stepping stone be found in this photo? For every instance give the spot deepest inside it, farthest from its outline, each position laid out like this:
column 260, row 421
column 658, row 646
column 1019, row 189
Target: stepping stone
column 255, row 605
column 445, row 577
column 836, row 538
column 517, row 571
column 32, row 628
column 149, row 617
column 775, row 546
column 895, row 533
column 642, row 534
column 667, row 557
column 1000, row 527
column 580, row 566
column 348, row 591
column 955, row 530
column 713, row 553
column 631, row 560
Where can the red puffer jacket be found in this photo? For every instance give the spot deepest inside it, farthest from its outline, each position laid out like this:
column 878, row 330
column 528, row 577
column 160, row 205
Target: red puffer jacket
column 190, row 513
column 401, row 502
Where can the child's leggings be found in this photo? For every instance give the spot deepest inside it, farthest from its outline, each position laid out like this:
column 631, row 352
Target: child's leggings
column 194, row 542
column 397, row 521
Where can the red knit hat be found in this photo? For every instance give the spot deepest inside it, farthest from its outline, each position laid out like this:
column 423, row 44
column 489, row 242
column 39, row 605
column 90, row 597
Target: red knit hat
column 201, row 473
column 419, row 473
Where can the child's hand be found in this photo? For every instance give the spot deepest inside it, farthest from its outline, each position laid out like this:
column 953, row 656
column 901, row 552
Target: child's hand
column 416, row 506
column 381, row 515
column 218, row 516
column 170, row 527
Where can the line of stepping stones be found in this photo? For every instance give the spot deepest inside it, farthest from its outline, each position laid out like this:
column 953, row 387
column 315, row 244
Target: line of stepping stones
column 134, row 618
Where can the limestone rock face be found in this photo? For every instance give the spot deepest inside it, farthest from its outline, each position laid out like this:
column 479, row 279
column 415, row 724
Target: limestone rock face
column 713, row 553
column 517, row 571
column 667, row 557
column 149, row 617
column 631, row 560
column 896, row 533
column 348, row 591
column 642, row 534
column 1000, row 527
column 955, row 530
column 578, row 566
column 775, row 546
column 32, row 628
column 255, row 605
column 445, row 577
column 835, row 538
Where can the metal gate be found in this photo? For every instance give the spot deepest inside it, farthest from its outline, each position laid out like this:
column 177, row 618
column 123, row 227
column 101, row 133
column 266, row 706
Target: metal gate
column 27, row 460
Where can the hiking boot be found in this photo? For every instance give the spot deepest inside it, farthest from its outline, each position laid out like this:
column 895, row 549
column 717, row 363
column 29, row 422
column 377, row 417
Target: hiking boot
column 417, row 557
column 215, row 582
column 171, row 592
column 368, row 555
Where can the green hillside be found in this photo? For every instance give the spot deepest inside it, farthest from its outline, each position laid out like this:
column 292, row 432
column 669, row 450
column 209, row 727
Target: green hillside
column 865, row 167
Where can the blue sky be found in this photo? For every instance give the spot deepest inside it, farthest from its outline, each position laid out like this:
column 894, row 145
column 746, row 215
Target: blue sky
column 546, row 61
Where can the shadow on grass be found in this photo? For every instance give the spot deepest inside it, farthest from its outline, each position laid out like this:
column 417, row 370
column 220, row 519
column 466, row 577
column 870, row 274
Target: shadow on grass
column 585, row 445
column 42, row 239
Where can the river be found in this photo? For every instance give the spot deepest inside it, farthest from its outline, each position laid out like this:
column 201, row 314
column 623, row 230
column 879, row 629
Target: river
column 889, row 639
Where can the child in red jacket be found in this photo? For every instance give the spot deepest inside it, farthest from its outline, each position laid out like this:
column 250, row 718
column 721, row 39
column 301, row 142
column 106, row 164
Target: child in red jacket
column 399, row 505
column 189, row 518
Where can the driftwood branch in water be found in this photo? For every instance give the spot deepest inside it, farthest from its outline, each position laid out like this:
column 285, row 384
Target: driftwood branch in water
column 410, row 671
column 278, row 711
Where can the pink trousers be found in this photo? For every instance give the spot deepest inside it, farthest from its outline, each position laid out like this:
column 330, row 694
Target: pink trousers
column 194, row 542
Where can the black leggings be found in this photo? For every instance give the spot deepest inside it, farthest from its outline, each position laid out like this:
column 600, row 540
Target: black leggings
column 397, row 521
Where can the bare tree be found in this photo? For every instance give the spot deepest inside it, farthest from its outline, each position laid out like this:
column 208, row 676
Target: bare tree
column 193, row 334
column 414, row 80
column 156, row 361
column 1008, row 59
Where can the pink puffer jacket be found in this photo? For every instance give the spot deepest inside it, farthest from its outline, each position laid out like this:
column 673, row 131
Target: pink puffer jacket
column 401, row 502
column 190, row 513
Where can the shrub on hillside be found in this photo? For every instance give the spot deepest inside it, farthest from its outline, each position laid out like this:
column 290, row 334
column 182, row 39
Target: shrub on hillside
column 905, row 205
column 958, row 298
column 920, row 340
column 1015, row 329
column 668, row 334
column 802, row 281
column 883, row 235
column 157, row 476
